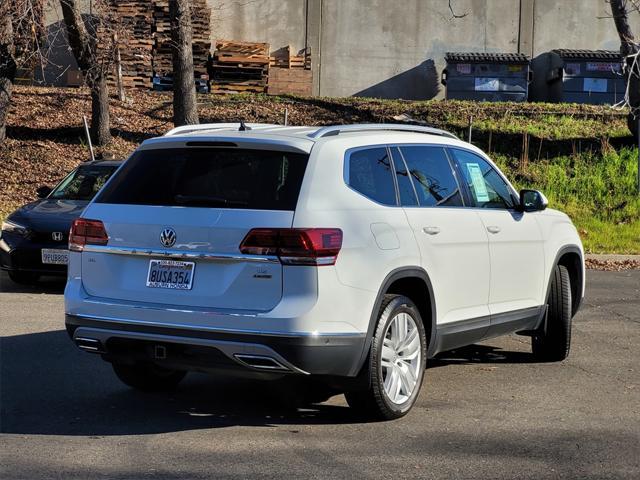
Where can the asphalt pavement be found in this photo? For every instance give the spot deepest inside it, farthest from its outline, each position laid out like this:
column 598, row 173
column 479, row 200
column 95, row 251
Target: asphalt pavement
column 486, row 411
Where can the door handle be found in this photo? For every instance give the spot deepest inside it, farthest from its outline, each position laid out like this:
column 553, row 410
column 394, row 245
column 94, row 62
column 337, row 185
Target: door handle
column 431, row 230
column 493, row 229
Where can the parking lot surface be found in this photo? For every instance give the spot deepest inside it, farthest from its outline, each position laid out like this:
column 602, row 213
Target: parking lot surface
column 486, row 411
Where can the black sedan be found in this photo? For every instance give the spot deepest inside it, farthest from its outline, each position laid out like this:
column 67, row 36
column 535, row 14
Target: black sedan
column 33, row 240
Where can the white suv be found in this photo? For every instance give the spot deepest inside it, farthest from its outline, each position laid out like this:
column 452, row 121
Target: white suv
column 345, row 255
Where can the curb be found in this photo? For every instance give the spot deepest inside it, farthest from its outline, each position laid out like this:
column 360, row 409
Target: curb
column 601, row 257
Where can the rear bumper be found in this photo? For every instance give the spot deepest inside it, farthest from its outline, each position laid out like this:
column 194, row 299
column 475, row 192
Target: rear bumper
column 197, row 349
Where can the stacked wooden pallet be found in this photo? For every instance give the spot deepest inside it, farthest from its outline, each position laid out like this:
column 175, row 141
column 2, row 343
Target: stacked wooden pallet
column 135, row 42
column 200, row 25
column 290, row 74
column 238, row 67
column 282, row 58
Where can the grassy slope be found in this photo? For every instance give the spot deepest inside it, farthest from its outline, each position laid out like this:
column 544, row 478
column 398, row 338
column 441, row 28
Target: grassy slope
column 570, row 154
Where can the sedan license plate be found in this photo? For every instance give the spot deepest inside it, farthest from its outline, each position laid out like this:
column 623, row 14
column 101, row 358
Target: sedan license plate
column 52, row 256
column 170, row 274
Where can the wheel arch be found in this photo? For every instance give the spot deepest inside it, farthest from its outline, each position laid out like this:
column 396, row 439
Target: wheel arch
column 411, row 282
column 571, row 257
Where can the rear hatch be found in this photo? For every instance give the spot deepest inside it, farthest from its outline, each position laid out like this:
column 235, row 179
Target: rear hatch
column 193, row 204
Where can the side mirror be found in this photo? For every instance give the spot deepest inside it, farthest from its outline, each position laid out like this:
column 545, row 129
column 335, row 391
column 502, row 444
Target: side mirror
column 532, row 201
column 43, row 191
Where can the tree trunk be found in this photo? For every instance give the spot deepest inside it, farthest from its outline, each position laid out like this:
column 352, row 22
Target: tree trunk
column 6, row 86
column 628, row 47
column 100, row 111
column 185, row 111
column 84, row 46
column 7, row 67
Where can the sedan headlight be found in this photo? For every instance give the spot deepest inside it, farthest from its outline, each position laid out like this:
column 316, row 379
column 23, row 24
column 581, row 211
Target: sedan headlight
column 15, row 228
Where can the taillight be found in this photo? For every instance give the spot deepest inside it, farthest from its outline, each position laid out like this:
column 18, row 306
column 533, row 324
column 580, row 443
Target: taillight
column 86, row 232
column 295, row 246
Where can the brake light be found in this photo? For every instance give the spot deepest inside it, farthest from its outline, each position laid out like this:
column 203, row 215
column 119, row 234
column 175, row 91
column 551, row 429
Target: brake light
column 295, row 246
column 86, row 232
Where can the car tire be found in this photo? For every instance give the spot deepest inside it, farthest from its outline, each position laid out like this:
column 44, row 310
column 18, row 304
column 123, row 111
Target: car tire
column 396, row 378
column 553, row 342
column 24, row 278
column 148, row 377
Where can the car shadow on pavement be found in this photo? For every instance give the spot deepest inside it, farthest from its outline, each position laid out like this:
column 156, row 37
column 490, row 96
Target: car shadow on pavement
column 49, row 387
column 480, row 354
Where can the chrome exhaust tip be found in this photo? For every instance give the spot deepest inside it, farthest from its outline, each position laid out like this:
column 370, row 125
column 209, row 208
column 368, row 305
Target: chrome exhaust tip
column 261, row 362
column 89, row 345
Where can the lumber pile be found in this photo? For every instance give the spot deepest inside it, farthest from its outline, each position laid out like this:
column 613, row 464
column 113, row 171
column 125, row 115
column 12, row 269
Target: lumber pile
column 200, row 26
column 134, row 41
column 143, row 30
column 238, row 67
column 283, row 58
column 290, row 74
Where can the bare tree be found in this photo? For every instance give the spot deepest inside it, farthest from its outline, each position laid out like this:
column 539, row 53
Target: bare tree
column 629, row 51
column 185, row 111
column 83, row 40
column 7, row 66
column 21, row 30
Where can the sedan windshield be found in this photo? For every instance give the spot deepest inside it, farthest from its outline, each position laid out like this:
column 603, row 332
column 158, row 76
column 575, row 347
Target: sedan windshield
column 83, row 183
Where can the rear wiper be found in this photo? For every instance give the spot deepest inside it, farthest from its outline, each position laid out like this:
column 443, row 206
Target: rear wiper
column 206, row 200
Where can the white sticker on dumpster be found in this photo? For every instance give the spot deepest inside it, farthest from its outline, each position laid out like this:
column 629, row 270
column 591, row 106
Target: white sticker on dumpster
column 595, row 85
column 477, row 180
column 484, row 84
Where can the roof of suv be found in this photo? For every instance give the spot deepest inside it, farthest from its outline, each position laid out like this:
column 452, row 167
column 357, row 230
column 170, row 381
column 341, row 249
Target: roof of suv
column 298, row 138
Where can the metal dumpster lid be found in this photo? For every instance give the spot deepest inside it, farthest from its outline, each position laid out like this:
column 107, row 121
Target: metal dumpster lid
column 486, row 57
column 588, row 54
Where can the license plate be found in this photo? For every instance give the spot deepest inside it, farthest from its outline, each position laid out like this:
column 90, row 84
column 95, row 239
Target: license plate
column 170, row 274
column 53, row 256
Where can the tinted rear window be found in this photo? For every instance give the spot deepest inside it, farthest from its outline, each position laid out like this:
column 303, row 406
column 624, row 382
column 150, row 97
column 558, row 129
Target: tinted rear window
column 370, row 174
column 214, row 177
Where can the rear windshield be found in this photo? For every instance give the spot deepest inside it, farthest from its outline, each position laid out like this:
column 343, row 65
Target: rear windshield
column 83, row 183
column 209, row 177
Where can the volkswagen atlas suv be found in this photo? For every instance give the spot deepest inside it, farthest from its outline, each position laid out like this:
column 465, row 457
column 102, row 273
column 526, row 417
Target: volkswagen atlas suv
column 344, row 255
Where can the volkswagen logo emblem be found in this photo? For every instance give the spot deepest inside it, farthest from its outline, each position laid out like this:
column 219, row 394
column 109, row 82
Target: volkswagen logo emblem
column 57, row 236
column 168, row 237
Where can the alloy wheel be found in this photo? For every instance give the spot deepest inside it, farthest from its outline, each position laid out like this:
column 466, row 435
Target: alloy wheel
column 401, row 358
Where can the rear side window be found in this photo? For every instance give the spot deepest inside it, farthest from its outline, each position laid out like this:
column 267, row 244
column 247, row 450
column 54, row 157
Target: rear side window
column 431, row 173
column 488, row 189
column 209, row 177
column 369, row 172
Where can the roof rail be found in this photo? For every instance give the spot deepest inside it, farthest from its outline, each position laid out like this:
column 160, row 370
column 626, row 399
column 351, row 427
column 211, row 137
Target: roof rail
column 215, row 126
column 369, row 127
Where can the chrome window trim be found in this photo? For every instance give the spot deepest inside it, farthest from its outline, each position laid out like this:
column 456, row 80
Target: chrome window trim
column 181, row 254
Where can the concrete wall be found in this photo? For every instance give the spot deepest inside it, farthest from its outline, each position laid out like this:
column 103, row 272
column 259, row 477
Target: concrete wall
column 278, row 22
column 395, row 49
